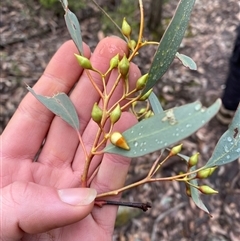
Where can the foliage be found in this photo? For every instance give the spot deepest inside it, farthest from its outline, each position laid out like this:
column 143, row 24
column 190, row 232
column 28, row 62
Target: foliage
column 157, row 129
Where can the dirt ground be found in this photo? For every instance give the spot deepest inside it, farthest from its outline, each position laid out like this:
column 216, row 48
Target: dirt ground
column 31, row 34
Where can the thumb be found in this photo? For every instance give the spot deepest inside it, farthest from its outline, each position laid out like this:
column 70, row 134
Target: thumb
column 32, row 208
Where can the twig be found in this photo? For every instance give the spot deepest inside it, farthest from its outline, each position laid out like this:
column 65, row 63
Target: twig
column 142, row 206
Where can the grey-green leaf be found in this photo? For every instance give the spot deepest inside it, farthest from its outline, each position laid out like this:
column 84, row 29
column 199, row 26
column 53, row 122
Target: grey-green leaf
column 164, row 129
column 155, row 103
column 194, row 192
column 187, row 61
column 170, row 43
column 196, row 197
column 61, row 105
column 228, row 146
column 73, row 27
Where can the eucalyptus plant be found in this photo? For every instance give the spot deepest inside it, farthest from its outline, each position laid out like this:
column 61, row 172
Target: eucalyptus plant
column 157, row 129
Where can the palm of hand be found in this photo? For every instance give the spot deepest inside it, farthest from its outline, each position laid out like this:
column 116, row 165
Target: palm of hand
column 61, row 160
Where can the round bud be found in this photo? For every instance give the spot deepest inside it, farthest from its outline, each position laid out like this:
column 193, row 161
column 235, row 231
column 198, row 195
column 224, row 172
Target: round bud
column 126, row 28
column 115, row 114
column 114, row 61
column 207, row 190
column 83, row 62
column 123, row 66
column 97, row 113
column 188, row 190
column 193, row 160
column 148, row 114
column 146, row 95
column 132, row 44
column 205, row 173
column 176, row 149
column 118, row 140
column 141, row 82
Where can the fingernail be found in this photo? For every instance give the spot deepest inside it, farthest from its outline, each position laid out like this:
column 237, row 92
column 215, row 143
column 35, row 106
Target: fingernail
column 77, row 196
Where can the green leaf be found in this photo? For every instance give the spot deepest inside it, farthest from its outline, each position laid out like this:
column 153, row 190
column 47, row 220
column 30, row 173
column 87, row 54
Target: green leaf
column 228, row 146
column 194, row 192
column 196, row 196
column 61, row 105
column 187, row 61
column 155, row 103
column 164, row 129
column 64, row 3
column 170, row 43
column 73, row 26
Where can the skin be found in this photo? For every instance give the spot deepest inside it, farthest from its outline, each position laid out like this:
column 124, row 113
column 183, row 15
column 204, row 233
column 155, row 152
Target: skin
column 31, row 206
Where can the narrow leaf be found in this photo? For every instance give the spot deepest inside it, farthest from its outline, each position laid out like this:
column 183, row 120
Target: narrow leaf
column 187, row 61
column 64, row 3
column 155, row 104
column 165, row 129
column 170, row 42
column 228, row 146
column 61, row 105
column 196, row 197
column 73, row 27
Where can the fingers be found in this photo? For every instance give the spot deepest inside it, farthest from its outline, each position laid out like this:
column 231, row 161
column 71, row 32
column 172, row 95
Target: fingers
column 112, row 175
column 31, row 121
column 91, row 129
column 83, row 97
column 31, row 208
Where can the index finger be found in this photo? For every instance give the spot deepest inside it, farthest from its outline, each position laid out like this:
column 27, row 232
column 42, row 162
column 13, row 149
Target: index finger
column 26, row 130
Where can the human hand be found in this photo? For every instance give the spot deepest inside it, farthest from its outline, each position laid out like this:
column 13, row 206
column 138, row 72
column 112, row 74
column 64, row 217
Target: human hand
column 41, row 200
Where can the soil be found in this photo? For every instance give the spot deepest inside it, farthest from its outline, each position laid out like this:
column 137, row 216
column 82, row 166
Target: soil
column 30, row 34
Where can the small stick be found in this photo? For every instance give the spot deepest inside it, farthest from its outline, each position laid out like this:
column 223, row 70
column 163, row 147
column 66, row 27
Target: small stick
column 142, row 206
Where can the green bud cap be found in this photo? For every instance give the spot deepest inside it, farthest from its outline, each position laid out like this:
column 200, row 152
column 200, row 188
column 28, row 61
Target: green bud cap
column 115, row 114
column 146, row 95
column 141, row 82
column 207, row 190
column 132, row 44
column 142, row 110
column 148, row 114
column 123, row 66
column 83, row 62
column 205, row 173
column 176, row 149
column 193, row 160
column 126, row 28
column 114, row 61
column 97, row 113
column 188, row 190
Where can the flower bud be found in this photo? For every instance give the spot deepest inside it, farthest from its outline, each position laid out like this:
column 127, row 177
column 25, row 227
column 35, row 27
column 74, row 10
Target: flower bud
column 188, row 190
column 123, row 66
column 141, row 111
column 118, row 140
column 205, row 173
column 141, row 82
column 115, row 114
column 148, row 114
column 83, row 62
column 126, row 28
column 97, row 113
column 193, row 160
column 132, row 44
column 176, row 149
column 146, row 95
column 114, row 61
column 207, row 190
